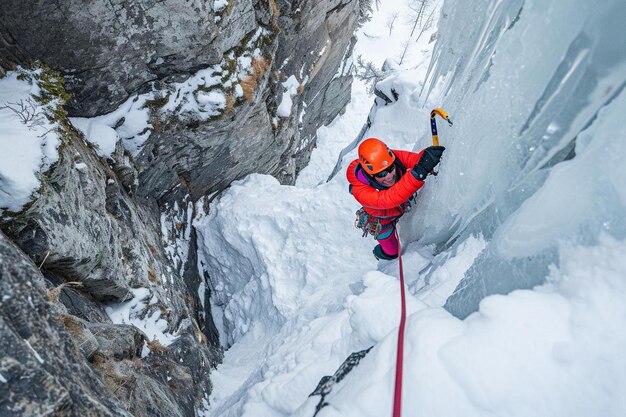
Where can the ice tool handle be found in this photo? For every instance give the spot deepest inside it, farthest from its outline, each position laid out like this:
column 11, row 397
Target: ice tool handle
column 433, row 123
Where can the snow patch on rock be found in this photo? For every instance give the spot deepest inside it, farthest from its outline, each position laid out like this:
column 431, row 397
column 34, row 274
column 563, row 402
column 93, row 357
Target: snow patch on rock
column 28, row 140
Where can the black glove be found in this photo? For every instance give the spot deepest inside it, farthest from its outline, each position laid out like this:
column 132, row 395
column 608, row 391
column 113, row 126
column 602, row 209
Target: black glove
column 429, row 160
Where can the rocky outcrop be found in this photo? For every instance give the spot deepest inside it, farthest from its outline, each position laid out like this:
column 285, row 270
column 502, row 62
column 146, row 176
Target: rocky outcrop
column 308, row 40
column 109, row 50
column 94, row 243
column 326, row 384
column 100, row 229
column 42, row 370
column 55, row 363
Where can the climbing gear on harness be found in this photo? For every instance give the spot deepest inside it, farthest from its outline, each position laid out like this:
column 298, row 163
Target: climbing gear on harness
column 372, row 225
column 380, row 254
column 369, row 224
column 375, row 156
column 397, row 397
column 433, row 123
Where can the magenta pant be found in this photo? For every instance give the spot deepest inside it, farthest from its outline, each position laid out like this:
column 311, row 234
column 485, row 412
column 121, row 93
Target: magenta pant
column 389, row 242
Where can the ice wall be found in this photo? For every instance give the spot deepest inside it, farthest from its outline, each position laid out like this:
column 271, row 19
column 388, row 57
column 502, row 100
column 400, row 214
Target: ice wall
column 536, row 91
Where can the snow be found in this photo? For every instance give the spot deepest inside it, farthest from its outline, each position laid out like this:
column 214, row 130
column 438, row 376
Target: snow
column 376, row 43
column 128, row 123
column 336, row 135
column 513, row 257
column 291, row 89
column 550, row 351
column 213, row 98
column 3, row 379
column 37, row 356
column 81, row 166
column 28, row 146
column 435, row 288
column 238, row 91
column 188, row 96
column 136, row 312
column 219, row 5
column 296, row 289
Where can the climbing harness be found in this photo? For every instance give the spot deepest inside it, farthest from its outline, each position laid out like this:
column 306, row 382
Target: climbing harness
column 372, row 225
column 369, row 224
column 397, row 396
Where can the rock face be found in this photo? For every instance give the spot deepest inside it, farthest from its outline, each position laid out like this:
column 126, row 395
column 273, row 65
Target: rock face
column 99, row 228
column 93, row 242
column 55, row 363
column 326, row 384
column 308, row 40
column 109, row 50
column 43, row 371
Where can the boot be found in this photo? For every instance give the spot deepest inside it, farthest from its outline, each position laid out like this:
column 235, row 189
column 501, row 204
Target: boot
column 380, row 254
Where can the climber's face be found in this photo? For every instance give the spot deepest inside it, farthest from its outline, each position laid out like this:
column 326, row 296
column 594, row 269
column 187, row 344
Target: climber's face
column 387, row 177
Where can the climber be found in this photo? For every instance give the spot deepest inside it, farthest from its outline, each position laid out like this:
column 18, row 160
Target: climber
column 380, row 181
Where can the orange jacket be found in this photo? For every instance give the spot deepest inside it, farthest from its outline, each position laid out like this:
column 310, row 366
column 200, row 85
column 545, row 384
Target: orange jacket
column 387, row 203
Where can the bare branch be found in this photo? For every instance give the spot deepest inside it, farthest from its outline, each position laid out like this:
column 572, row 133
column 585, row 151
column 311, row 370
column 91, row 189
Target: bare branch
column 405, row 44
column 416, row 16
column 391, row 20
column 427, row 25
column 27, row 112
column 365, row 12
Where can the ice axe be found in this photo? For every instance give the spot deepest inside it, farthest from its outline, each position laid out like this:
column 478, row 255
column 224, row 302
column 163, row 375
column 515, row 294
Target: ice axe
column 433, row 125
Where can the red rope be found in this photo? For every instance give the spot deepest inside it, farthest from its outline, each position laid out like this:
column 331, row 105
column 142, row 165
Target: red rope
column 397, row 397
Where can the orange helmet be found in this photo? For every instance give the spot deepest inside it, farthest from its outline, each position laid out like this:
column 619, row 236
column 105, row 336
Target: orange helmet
column 375, row 156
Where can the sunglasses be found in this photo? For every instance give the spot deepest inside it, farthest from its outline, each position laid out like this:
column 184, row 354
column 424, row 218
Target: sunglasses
column 386, row 172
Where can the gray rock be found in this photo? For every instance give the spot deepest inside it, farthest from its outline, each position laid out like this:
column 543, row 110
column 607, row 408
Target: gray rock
column 33, row 391
column 117, row 341
column 327, row 383
column 83, row 338
column 45, row 371
column 109, row 49
column 205, row 157
column 82, row 306
column 328, row 88
column 68, row 230
column 84, row 227
column 150, row 398
column 54, row 375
